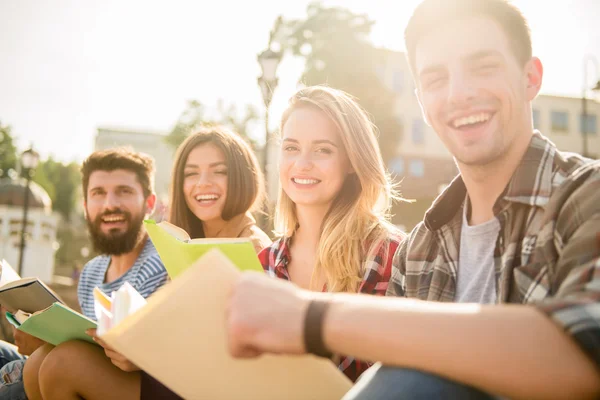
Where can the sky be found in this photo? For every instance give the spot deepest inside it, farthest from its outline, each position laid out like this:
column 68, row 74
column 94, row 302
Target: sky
column 70, row 66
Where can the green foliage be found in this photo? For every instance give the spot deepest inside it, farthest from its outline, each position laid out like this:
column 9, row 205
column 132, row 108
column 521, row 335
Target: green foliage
column 196, row 116
column 62, row 182
column 334, row 43
column 8, row 150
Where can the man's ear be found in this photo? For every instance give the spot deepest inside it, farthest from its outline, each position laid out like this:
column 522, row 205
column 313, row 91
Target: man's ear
column 85, row 213
column 534, row 71
column 150, row 203
column 417, row 94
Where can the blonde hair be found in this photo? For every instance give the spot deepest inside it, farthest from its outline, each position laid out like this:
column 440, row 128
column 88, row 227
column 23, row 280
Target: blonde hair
column 357, row 222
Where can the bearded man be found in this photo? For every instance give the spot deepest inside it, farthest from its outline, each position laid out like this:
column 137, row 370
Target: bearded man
column 117, row 195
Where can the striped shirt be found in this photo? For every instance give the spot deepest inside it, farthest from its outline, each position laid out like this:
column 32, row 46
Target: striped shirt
column 146, row 275
column 547, row 253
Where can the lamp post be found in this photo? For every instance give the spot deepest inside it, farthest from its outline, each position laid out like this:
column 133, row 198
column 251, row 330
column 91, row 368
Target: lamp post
column 269, row 61
column 29, row 162
column 584, row 116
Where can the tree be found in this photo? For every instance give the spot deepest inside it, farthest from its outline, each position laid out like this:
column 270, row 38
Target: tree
column 239, row 122
column 62, row 182
column 196, row 116
column 67, row 189
column 44, row 177
column 192, row 116
column 8, row 150
column 334, row 43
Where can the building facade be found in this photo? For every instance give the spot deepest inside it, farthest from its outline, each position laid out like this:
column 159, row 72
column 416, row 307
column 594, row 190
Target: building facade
column 151, row 143
column 42, row 224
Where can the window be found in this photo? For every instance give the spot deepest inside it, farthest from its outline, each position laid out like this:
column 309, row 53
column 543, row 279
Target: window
column 397, row 81
column 590, row 125
column 396, row 166
column 536, row 118
column 417, row 168
column 418, row 131
column 560, row 121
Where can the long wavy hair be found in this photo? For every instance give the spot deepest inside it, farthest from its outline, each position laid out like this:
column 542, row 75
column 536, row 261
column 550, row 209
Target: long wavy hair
column 357, row 222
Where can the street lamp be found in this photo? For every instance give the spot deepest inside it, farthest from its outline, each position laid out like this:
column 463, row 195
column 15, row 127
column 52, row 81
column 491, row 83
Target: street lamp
column 269, row 61
column 29, row 162
column 584, row 120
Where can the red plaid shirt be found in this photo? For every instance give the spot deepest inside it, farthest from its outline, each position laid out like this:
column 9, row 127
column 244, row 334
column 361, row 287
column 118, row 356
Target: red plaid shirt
column 377, row 273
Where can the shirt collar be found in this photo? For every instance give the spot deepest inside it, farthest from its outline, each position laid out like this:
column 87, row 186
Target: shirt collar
column 530, row 184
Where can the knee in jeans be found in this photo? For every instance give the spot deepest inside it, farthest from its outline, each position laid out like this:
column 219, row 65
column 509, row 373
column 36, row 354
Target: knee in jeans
column 403, row 383
column 12, row 372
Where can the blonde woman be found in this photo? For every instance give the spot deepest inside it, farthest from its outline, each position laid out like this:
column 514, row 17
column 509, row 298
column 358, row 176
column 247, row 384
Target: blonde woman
column 332, row 208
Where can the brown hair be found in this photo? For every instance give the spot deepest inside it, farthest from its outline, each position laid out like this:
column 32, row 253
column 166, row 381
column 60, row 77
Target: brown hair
column 120, row 158
column 432, row 13
column 245, row 180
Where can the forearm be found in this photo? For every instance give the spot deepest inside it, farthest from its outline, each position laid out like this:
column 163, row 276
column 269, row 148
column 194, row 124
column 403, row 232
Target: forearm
column 515, row 351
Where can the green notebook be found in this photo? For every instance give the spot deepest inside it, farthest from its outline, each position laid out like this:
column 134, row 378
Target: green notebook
column 178, row 252
column 55, row 325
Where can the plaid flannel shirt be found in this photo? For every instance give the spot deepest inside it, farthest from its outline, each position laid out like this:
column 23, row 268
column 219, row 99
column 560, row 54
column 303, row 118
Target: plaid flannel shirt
column 376, row 276
column 548, row 250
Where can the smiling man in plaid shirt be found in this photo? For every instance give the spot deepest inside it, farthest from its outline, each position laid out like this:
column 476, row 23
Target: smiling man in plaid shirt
column 505, row 265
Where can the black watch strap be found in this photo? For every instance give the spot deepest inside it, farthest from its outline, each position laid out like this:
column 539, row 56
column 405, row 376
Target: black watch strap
column 313, row 328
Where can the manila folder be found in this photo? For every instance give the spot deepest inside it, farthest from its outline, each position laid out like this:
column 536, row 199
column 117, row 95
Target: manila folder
column 179, row 338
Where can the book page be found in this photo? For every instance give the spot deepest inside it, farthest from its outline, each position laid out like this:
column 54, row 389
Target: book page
column 28, row 294
column 126, row 301
column 21, row 316
column 173, row 230
column 179, row 338
column 7, row 273
column 178, row 256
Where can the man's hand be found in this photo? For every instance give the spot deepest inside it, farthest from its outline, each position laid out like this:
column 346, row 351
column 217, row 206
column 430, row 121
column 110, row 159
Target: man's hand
column 116, row 358
column 266, row 315
column 26, row 343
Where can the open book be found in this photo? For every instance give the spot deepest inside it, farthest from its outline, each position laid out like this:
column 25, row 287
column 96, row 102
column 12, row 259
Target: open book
column 55, row 324
column 28, row 294
column 35, row 309
column 110, row 311
column 178, row 252
column 179, row 338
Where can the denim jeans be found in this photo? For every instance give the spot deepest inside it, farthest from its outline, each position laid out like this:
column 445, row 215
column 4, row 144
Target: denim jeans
column 11, row 373
column 388, row 383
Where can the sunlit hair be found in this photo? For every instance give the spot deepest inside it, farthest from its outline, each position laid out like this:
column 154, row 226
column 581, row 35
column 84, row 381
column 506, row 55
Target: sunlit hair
column 357, row 221
column 433, row 13
column 120, row 158
column 245, row 182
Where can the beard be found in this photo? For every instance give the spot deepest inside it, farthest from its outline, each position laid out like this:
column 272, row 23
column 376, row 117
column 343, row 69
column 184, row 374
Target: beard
column 116, row 243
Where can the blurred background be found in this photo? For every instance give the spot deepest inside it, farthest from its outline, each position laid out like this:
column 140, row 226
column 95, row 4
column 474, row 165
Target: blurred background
column 76, row 76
